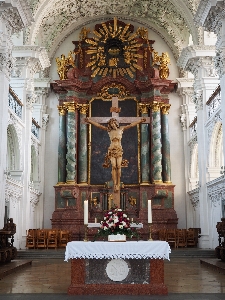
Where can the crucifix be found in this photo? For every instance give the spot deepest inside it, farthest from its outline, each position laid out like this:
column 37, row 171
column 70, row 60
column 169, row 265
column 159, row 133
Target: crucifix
column 115, row 150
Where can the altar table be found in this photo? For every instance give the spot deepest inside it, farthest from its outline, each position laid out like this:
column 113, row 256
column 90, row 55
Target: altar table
column 122, row 255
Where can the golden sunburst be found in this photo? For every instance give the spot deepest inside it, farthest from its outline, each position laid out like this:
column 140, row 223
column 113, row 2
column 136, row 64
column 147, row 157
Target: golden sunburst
column 114, row 51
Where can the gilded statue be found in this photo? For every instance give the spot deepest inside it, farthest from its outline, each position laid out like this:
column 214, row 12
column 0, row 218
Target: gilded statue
column 115, row 150
column 63, row 65
column 164, row 60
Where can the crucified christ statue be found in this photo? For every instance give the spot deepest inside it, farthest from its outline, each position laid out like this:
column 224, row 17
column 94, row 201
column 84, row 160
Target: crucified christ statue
column 115, row 150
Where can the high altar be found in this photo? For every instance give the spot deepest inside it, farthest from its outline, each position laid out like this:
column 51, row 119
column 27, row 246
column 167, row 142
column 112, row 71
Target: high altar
column 113, row 62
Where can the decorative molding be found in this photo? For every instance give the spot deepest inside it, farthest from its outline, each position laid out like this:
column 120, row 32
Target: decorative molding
column 45, row 119
column 34, row 196
column 194, row 198
column 13, row 191
column 6, row 63
column 12, row 20
column 183, row 116
column 216, row 190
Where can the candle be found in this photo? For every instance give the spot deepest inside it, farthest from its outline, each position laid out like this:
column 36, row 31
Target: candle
column 85, row 212
column 149, row 211
column 95, row 220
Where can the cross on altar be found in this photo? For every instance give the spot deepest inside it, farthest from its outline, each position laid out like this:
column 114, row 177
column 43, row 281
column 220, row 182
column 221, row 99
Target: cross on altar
column 115, row 132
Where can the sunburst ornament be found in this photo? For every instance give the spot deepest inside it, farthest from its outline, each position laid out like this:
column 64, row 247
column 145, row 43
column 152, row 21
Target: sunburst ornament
column 114, row 50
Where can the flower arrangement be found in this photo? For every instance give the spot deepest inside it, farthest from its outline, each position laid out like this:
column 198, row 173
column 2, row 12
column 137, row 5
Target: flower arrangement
column 116, row 221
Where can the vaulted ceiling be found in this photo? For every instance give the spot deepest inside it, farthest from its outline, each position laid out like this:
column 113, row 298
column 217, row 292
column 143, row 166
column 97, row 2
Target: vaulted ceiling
column 54, row 20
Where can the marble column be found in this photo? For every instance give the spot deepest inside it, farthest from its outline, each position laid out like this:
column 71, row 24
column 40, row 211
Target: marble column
column 145, row 169
column 166, row 166
column 71, row 143
column 82, row 155
column 62, row 145
column 156, row 155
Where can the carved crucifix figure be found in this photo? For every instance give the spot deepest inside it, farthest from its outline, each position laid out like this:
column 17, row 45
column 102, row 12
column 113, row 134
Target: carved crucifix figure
column 115, row 150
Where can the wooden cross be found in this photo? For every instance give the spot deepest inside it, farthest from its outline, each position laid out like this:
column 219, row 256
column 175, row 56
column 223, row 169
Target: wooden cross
column 115, row 110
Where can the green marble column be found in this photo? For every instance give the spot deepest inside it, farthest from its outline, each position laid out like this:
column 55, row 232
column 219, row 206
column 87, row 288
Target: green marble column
column 156, row 148
column 82, row 154
column 145, row 167
column 62, row 145
column 71, row 143
column 166, row 166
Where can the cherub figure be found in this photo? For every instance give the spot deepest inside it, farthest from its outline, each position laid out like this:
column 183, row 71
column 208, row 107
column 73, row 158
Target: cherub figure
column 115, row 150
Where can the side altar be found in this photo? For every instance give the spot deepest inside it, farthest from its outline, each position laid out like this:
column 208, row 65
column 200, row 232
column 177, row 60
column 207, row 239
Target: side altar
column 117, row 268
column 113, row 73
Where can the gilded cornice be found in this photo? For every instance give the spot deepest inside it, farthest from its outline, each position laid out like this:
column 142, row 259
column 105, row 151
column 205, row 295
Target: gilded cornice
column 143, row 107
column 83, row 108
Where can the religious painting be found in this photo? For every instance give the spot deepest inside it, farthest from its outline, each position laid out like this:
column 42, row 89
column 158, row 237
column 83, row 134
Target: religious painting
column 100, row 142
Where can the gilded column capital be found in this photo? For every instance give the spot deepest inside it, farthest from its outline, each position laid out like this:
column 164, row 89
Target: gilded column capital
column 70, row 106
column 83, row 108
column 143, row 107
column 62, row 110
column 165, row 108
column 155, row 106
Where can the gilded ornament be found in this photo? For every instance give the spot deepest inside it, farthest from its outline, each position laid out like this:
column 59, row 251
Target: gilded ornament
column 113, row 51
column 70, row 106
column 132, row 201
column 164, row 60
column 165, row 108
column 63, row 65
column 121, row 91
column 155, row 106
column 62, row 110
column 143, row 107
column 83, row 108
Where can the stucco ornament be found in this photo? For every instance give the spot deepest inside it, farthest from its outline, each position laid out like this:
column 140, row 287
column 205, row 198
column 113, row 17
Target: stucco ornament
column 167, row 18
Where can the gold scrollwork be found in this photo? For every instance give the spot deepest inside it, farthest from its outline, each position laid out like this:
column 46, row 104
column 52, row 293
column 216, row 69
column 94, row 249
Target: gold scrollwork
column 155, row 106
column 164, row 60
column 122, row 92
column 165, row 108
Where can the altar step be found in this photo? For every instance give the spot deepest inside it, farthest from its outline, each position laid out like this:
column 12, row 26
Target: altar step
column 60, row 253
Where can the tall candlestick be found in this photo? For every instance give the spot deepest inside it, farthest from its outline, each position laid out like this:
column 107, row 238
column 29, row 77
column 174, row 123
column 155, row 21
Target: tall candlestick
column 149, row 211
column 85, row 212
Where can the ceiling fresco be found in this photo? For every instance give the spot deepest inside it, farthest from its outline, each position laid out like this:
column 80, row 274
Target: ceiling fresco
column 54, row 20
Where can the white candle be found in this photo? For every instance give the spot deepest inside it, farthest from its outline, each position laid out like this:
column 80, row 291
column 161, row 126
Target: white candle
column 95, row 220
column 149, row 211
column 85, row 212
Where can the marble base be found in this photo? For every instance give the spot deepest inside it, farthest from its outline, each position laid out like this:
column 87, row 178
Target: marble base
column 155, row 286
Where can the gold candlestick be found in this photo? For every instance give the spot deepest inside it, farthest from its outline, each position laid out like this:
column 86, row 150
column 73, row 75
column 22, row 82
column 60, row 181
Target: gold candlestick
column 150, row 232
column 85, row 232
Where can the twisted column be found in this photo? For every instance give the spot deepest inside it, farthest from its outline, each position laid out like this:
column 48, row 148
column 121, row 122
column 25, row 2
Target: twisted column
column 71, row 143
column 83, row 151
column 156, row 154
column 166, row 166
column 62, row 145
column 145, row 169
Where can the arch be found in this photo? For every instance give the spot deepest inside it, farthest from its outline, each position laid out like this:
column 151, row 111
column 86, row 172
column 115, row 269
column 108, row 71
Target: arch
column 13, row 150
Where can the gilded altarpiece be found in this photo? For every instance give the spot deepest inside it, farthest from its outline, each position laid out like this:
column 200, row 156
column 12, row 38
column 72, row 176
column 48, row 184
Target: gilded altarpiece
column 113, row 61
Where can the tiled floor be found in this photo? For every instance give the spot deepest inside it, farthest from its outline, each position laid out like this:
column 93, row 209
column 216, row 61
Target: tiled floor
column 49, row 279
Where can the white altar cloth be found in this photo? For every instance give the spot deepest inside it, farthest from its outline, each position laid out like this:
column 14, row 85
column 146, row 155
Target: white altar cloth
column 125, row 250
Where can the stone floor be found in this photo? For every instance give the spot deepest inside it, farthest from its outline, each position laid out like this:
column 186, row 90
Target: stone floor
column 48, row 279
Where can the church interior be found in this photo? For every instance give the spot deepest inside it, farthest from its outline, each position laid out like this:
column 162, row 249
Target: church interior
column 154, row 72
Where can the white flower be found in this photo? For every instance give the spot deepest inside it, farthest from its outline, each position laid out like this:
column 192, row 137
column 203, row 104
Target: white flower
column 121, row 226
column 116, row 219
column 104, row 218
column 109, row 212
column 119, row 209
column 124, row 215
column 124, row 223
column 105, row 228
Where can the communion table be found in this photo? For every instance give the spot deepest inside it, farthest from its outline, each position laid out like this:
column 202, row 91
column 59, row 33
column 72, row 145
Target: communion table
column 117, row 268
